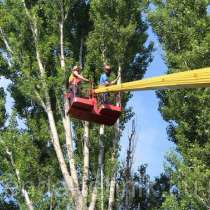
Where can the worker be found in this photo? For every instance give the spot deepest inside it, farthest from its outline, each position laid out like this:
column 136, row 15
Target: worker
column 104, row 80
column 74, row 81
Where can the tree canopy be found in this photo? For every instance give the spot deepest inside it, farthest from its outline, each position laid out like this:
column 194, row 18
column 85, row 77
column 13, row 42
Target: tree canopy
column 40, row 41
column 183, row 29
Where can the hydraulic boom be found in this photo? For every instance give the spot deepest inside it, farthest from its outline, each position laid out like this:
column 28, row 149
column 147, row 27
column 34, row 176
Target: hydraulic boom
column 188, row 79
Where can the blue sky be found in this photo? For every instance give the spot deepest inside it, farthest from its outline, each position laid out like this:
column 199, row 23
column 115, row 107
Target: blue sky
column 152, row 142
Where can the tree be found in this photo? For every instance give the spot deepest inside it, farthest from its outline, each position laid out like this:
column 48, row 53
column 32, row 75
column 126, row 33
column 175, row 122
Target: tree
column 40, row 40
column 183, row 30
column 118, row 39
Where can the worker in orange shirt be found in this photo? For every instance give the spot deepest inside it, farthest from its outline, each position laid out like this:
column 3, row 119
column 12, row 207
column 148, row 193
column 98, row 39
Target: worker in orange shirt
column 74, row 81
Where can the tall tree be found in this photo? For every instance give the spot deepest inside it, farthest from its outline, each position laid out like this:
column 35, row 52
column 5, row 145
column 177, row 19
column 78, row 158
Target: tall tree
column 183, row 28
column 118, row 39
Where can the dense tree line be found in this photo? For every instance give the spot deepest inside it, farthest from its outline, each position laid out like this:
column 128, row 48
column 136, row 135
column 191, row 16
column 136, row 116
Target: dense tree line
column 53, row 161
column 183, row 29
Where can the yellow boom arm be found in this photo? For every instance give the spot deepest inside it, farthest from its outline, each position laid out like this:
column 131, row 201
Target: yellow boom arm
column 187, row 79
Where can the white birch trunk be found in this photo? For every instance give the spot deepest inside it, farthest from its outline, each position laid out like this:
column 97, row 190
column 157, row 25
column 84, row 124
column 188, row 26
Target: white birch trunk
column 102, row 187
column 5, row 41
column 27, row 199
column 85, row 142
column 59, row 154
column 54, row 134
column 66, row 120
column 8, row 48
column 85, row 162
column 100, row 167
column 117, row 130
column 24, row 192
column 112, row 193
column 81, row 53
column 101, row 143
column 62, row 46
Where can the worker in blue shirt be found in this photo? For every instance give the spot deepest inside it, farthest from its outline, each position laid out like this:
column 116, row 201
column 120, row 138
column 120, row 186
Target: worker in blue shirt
column 104, row 80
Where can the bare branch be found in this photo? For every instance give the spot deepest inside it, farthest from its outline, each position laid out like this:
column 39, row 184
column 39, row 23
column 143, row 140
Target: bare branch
column 129, row 163
column 115, row 143
column 23, row 190
column 6, row 43
column 40, row 100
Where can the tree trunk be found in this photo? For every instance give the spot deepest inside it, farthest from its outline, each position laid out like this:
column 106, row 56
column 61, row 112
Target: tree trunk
column 81, row 53
column 85, row 163
column 115, row 142
column 24, row 192
column 129, row 162
column 66, row 120
column 62, row 46
column 51, row 120
column 100, row 168
column 27, row 199
column 59, row 154
column 112, row 192
column 5, row 41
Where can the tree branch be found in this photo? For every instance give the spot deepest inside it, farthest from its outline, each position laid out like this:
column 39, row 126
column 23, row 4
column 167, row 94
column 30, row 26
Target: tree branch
column 40, row 100
column 23, row 190
column 112, row 192
column 115, row 142
column 6, row 43
column 85, row 162
column 66, row 120
column 8, row 48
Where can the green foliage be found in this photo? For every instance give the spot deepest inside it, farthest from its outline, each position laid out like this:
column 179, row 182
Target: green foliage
column 118, row 38
column 190, row 183
column 183, row 28
column 35, row 162
column 122, row 43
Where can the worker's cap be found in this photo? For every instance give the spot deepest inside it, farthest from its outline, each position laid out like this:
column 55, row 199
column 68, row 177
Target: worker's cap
column 107, row 67
column 76, row 68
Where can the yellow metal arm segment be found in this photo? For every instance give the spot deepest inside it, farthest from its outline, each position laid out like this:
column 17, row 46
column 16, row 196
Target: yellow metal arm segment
column 187, row 79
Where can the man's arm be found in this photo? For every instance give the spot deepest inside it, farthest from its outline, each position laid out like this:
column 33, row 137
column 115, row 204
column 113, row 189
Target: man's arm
column 80, row 76
column 107, row 83
column 114, row 81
